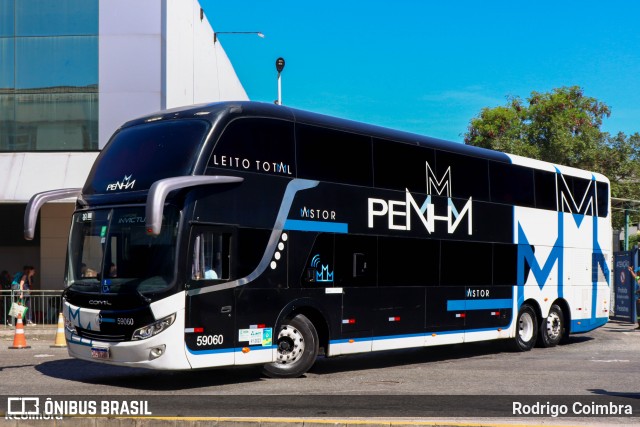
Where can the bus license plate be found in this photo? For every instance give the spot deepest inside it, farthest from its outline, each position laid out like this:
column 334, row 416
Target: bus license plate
column 99, row 353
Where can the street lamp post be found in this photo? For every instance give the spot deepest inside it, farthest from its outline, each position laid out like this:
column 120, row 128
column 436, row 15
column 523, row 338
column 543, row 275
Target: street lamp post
column 215, row 34
column 279, row 68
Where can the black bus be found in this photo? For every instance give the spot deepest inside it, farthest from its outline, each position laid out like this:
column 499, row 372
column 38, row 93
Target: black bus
column 247, row 233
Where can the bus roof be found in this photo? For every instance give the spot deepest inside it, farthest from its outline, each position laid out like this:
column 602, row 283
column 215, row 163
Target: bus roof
column 214, row 112
column 223, row 112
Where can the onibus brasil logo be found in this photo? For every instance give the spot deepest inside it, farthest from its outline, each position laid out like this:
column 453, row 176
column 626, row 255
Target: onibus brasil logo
column 35, row 408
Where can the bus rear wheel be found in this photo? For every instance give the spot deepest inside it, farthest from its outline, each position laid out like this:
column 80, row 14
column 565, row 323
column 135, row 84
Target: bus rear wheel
column 552, row 328
column 526, row 329
column 297, row 349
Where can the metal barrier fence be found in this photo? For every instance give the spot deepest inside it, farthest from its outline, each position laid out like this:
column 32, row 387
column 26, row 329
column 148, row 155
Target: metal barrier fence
column 44, row 306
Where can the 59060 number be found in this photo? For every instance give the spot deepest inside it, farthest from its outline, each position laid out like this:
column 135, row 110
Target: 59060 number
column 209, row 340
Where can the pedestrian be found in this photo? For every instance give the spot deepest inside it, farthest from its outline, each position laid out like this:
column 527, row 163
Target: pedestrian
column 26, row 284
column 5, row 282
column 22, row 285
column 636, row 279
column 16, row 286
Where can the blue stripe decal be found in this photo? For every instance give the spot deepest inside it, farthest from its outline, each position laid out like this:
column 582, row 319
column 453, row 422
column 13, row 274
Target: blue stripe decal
column 586, row 325
column 350, row 340
column 478, row 304
column 227, row 350
column 331, row 227
column 106, row 320
column 423, row 335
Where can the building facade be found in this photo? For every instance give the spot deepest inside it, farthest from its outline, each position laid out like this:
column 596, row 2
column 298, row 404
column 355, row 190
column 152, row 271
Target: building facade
column 71, row 72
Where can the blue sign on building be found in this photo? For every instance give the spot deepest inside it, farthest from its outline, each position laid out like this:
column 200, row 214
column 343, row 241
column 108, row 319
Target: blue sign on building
column 625, row 297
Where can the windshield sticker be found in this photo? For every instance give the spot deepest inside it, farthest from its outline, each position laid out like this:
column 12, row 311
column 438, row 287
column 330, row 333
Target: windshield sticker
column 106, row 286
column 256, row 336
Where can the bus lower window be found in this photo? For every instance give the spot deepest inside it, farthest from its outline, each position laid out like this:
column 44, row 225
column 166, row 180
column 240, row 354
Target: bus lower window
column 210, row 256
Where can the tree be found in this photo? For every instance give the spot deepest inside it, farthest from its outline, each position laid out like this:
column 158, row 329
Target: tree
column 562, row 127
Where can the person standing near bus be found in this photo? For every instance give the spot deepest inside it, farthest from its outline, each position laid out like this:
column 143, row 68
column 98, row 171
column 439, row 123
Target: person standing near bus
column 636, row 279
column 26, row 284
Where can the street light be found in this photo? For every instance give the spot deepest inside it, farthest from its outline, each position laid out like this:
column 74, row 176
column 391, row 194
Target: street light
column 215, row 34
column 279, row 68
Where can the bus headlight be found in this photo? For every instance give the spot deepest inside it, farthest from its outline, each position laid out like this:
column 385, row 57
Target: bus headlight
column 153, row 329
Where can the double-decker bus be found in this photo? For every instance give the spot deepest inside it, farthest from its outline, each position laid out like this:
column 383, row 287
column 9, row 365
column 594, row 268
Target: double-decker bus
column 247, row 233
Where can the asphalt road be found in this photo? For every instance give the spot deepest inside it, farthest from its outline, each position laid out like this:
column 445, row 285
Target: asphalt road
column 478, row 379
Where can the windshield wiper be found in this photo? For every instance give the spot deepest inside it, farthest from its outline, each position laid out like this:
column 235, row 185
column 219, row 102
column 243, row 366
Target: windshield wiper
column 147, row 300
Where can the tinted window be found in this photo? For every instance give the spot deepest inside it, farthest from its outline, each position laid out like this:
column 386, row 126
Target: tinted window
column 138, row 156
column 409, row 262
column 545, row 188
column 511, row 184
column 210, row 254
column 256, row 145
column 356, row 260
column 505, row 264
column 465, row 263
column 332, row 155
column 400, row 166
column 576, row 195
column 602, row 190
column 468, row 176
column 251, row 246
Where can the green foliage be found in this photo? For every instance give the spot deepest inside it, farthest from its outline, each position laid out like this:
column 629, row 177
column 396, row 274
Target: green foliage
column 563, row 127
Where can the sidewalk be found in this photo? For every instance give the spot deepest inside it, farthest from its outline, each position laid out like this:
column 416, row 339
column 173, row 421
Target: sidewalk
column 37, row 332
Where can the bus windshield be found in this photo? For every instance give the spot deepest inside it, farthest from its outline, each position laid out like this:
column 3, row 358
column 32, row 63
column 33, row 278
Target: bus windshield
column 111, row 252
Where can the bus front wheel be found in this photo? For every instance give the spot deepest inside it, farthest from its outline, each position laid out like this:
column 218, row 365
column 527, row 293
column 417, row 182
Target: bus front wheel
column 297, row 349
column 552, row 328
column 526, row 329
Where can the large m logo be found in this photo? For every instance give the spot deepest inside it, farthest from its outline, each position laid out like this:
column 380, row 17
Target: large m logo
column 576, row 196
column 442, row 185
column 587, row 205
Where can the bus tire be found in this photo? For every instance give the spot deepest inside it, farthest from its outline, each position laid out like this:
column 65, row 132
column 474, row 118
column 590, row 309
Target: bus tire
column 552, row 328
column 526, row 329
column 297, row 343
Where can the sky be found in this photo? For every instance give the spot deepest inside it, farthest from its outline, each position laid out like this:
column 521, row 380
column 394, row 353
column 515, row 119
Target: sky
column 429, row 67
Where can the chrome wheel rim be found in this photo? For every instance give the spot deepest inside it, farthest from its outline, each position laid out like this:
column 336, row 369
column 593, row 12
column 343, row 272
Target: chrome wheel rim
column 290, row 345
column 553, row 328
column 526, row 327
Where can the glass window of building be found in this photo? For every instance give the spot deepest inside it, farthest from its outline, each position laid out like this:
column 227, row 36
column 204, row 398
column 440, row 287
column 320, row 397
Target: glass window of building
column 48, row 75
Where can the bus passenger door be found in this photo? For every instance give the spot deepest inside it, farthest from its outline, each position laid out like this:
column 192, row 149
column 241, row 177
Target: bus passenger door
column 210, row 312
